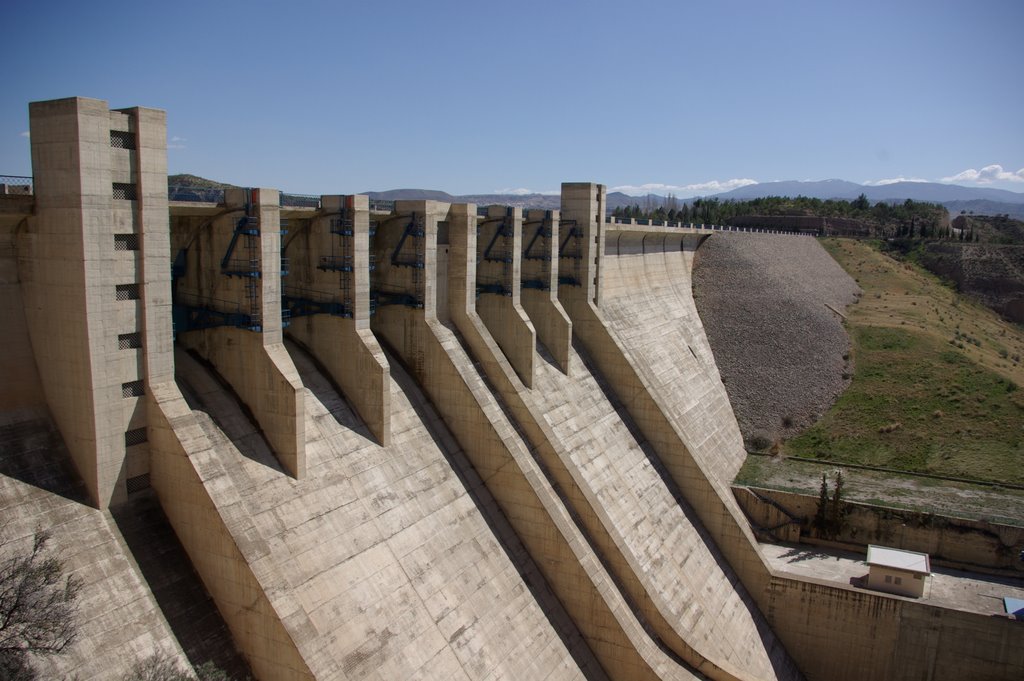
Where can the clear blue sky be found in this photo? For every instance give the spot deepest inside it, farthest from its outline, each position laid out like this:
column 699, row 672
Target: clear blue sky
column 478, row 96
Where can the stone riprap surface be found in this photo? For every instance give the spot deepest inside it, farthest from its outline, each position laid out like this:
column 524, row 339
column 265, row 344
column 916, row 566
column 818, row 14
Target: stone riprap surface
column 770, row 305
column 385, row 551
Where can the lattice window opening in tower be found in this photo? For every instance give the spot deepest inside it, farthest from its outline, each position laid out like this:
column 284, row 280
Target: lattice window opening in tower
column 124, row 191
column 133, row 389
column 135, row 436
column 122, row 139
column 137, row 483
column 127, row 292
column 126, row 242
column 129, row 341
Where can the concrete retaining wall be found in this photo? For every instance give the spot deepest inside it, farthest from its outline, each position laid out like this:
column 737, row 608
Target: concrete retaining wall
column 957, row 542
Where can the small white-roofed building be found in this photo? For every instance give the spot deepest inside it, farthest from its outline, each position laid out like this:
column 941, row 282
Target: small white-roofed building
column 896, row 571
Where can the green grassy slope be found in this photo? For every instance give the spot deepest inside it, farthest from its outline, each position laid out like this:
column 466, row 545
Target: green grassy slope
column 935, row 385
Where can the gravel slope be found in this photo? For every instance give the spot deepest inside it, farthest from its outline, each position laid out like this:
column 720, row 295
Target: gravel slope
column 764, row 300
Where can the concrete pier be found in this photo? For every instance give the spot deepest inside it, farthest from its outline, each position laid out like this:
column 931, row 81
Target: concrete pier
column 540, row 284
column 498, row 283
column 233, row 277
column 328, row 291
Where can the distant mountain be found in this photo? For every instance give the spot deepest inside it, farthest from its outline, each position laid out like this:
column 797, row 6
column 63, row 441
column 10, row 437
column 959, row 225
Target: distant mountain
column 897, row 191
column 980, row 200
column 540, row 201
column 984, row 207
column 411, row 195
column 821, row 189
column 194, row 181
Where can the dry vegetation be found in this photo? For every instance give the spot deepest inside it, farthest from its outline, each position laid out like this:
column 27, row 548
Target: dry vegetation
column 936, row 389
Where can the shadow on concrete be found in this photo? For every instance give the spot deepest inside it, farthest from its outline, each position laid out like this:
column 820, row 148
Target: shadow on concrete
column 796, row 555
column 32, row 451
column 499, row 525
column 178, row 590
column 546, row 356
column 333, row 399
column 785, row 667
column 230, row 414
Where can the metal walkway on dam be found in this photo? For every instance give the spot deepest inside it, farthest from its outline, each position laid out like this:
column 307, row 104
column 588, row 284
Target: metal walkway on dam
column 397, row 441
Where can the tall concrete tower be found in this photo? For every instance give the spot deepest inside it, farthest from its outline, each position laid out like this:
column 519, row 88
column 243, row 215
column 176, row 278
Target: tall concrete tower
column 94, row 265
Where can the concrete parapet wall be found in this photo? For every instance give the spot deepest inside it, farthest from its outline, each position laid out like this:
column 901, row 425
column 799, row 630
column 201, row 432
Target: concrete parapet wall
column 956, row 542
column 185, row 465
column 842, row 633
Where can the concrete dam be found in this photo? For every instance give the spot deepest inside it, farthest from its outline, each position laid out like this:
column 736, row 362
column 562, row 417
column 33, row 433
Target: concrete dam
column 319, row 438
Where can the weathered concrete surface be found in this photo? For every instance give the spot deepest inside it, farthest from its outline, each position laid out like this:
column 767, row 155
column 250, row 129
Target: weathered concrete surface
column 21, row 387
column 371, row 576
column 73, row 314
column 499, row 264
column 848, row 633
column 119, row 621
column 520, row 486
column 680, row 573
column 254, row 362
column 206, row 512
column 540, row 298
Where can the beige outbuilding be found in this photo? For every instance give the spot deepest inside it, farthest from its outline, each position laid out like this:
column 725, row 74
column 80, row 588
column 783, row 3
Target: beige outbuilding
column 896, row 571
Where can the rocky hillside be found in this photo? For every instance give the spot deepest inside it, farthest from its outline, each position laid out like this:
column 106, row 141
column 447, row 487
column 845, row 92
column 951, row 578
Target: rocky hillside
column 994, row 274
column 771, row 307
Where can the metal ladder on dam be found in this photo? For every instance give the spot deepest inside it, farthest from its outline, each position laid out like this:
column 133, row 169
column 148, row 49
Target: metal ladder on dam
column 499, row 250
column 542, row 235
column 242, row 259
column 248, row 267
column 341, row 259
column 410, row 253
column 572, row 248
